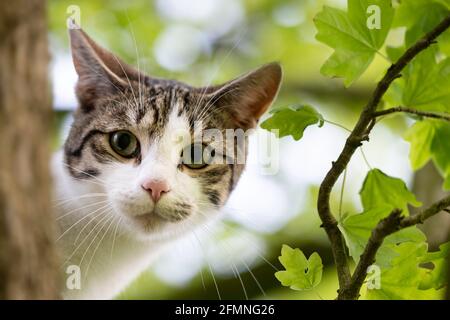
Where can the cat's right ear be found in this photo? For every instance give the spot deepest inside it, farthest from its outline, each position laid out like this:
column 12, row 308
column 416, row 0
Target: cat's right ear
column 100, row 73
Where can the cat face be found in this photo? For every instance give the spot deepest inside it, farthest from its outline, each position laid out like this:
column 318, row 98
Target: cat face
column 141, row 140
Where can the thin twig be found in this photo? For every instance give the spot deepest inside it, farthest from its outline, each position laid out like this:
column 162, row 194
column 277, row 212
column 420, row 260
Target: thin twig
column 341, row 198
column 360, row 133
column 424, row 114
column 419, row 218
column 337, row 125
column 387, row 226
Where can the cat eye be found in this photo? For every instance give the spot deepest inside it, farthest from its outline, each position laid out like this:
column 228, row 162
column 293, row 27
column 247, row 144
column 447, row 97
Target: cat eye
column 124, row 143
column 193, row 156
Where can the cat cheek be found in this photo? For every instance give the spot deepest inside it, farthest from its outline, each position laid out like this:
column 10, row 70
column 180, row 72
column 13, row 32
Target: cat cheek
column 125, row 197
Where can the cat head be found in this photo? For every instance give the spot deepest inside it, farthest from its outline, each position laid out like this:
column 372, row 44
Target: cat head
column 141, row 140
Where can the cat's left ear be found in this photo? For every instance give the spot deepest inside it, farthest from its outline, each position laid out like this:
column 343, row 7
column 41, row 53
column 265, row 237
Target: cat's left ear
column 248, row 97
column 100, row 72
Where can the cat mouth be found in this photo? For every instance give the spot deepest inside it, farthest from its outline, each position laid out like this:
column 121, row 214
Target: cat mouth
column 149, row 216
column 160, row 216
column 153, row 217
column 149, row 220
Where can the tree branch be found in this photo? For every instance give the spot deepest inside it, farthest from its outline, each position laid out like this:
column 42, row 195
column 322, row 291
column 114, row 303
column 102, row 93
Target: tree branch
column 387, row 226
column 412, row 111
column 360, row 133
column 419, row 218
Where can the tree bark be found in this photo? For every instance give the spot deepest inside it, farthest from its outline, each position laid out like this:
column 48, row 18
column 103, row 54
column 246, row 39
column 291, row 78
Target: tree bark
column 28, row 260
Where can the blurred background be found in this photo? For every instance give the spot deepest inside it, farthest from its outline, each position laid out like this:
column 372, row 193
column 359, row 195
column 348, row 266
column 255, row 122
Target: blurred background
column 211, row 41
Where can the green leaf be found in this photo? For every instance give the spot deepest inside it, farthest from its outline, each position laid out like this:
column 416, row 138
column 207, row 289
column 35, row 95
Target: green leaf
column 380, row 195
column 301, row 273
column 358, row 228
column 444, row 43
column 348, row 33
column 381, row 190
column 394, row 53
column 293, row 120
column 445, row 3
column 430, row 139
column 406, row 13
column 394, row 94
column 437, row 277
column 402, row 278
column 427, row 83
column 440, row 151
column 419, row 24
column 421, row 136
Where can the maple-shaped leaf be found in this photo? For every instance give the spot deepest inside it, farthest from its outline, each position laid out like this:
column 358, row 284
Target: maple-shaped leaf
column 293, row 120
column 300, row 273
column 354, row 35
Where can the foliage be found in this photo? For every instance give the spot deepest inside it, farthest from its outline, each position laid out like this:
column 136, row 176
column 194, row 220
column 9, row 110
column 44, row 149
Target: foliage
column 407, row 269
column 300, row 273
column 381, row 190
column 430, row 139
column 403, row 277
column 357, row 229
column 354, row 43
column 293, row 120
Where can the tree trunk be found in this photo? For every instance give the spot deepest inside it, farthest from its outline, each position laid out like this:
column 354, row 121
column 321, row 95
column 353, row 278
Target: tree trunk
column 28, row 264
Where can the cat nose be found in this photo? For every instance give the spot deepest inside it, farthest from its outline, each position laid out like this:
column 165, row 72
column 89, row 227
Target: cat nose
column 156, row 188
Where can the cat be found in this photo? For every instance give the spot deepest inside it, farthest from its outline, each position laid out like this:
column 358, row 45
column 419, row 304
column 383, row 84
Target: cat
column 123, row 187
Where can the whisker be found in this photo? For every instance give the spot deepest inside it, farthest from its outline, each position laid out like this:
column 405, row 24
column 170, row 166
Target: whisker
column 114, row 236
column 213, row 74
column 86, row 173
column 72, row 226
column 250, row 272
column 96, row 183
column 120, row 103
column 233, row 266
column 128, row 79
column 63, row 201
column 257, row 250
column 87, row 236
column 137, row 59
column 108, row 80
column 210, row 104
column 78, row 209
column 209, row 266
column 85, row 226
column 98, row 244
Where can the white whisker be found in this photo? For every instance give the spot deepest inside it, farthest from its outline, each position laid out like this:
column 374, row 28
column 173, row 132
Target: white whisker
column 213, row 74
column 81, row 208
column 86, row 173
column 114, row 236
column 232, row 265
column 99, row 243
column 257, row 250
column 85, row 238
column 209, row 266
column 63, row 201
column 105, row 209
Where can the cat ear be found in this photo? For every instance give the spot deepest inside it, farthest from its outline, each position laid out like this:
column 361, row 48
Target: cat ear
column 100, row 72
column 248, row 97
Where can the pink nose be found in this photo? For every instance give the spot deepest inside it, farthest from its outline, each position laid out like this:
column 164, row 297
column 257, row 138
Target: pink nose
column 156, row 188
